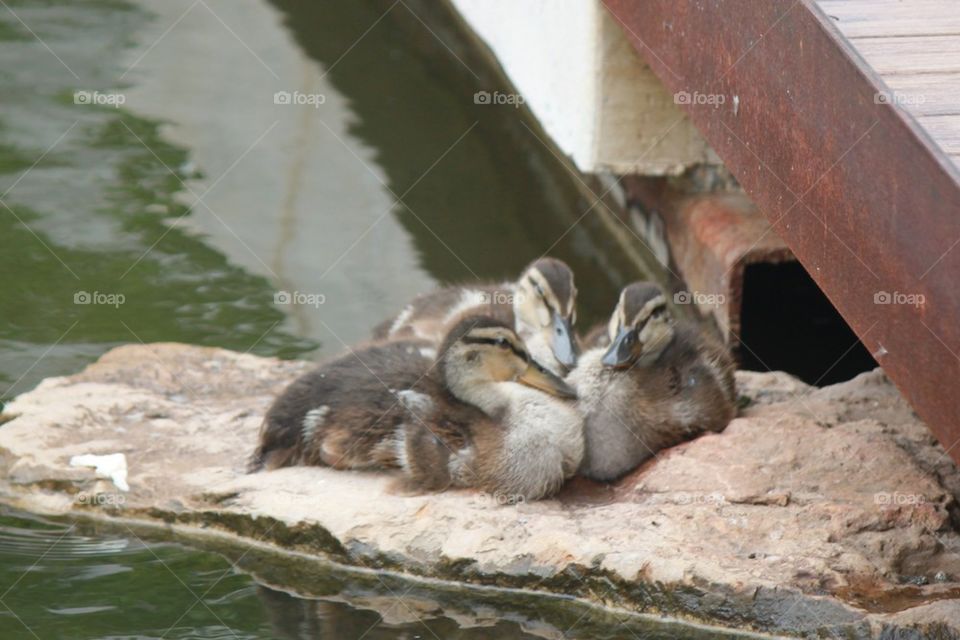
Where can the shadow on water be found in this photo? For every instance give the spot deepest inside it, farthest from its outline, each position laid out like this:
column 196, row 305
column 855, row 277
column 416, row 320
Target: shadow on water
column 500, row 197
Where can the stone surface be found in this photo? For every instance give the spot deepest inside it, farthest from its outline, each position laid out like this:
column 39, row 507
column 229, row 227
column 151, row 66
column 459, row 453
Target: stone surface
column 817, row 512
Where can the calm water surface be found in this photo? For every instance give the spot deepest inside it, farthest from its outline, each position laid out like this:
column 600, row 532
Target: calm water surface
column 154, row 188
column 64, row 583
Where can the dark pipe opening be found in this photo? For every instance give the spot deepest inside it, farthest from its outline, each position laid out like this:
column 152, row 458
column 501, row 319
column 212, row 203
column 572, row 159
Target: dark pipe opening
column 788, row 324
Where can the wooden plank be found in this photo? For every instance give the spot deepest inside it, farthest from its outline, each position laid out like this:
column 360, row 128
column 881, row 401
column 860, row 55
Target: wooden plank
column 911, row 55
column 872, row 18
column 928, row 94
column 945, row 130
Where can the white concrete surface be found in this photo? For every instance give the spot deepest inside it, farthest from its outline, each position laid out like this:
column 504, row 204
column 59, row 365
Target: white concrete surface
column 592, row 93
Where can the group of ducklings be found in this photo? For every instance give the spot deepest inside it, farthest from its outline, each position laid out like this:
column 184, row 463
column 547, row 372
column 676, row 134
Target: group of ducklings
column 490, row 387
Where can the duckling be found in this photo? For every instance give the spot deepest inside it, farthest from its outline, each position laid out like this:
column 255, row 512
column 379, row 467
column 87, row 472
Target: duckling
column 350, row 411
column 478, row 414
column 540, row 306
column 658, row 383
column 530, row 442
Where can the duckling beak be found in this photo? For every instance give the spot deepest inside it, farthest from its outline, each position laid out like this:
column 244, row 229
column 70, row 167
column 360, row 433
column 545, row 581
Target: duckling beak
column 564, row 344
column 537, row 376
column 620, row 353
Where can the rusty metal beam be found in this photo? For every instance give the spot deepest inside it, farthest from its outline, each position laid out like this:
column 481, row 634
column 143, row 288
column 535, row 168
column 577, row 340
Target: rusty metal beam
column 863, row 197
column 712, row 238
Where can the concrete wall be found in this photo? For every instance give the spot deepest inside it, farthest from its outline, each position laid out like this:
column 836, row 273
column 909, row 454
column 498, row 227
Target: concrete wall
column 592, row 93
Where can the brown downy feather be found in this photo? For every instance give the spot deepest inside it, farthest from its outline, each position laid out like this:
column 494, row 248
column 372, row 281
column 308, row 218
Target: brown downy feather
column 428, row 458
column 427, row 313
column 341, row 413
column 632, row 414
column 362, row 423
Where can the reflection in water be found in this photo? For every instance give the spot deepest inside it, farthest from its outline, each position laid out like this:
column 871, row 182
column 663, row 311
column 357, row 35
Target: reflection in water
column 312, row 203
column 288, row 192
column 499, row 198
column 97, row 212
column 290, row 197
column 71, row 583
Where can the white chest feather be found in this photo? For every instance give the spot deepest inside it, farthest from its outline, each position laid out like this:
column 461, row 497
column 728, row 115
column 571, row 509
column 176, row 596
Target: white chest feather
column 590, row 379
column 542, row 431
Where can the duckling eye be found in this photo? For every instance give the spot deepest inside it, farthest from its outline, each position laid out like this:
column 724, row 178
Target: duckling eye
column 536, row 287
column 502, row 343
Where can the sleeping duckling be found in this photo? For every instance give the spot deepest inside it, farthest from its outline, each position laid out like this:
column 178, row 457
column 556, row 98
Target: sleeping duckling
column 659, row 382
column 529, row 443
column 540, row 306
column 350, row 412
column 480, row 415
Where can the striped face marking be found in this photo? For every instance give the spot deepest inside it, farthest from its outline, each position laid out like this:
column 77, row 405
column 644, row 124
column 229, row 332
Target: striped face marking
column 640, row 327
column 497, row 337
column 638, row 303
column 548, row 298
column 488, row 352
column 652, row 307
column 553, row 282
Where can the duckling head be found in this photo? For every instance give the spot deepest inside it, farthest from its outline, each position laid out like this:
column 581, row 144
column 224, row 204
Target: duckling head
column 640, row 328
column 546, row 304
column 480, row 352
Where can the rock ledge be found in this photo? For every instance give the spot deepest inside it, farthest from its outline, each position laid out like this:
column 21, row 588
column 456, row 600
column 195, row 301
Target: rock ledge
column 816, row 513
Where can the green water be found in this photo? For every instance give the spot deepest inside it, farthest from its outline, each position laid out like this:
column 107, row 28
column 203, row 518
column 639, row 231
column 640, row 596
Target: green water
column 62, row 581
column 399, row 182
column 93, row 195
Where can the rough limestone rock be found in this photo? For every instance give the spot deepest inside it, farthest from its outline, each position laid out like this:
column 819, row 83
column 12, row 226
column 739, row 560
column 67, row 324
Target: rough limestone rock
column 827, row 512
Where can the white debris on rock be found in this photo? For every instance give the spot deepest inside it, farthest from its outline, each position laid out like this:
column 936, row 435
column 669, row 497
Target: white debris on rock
column 112, row 465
